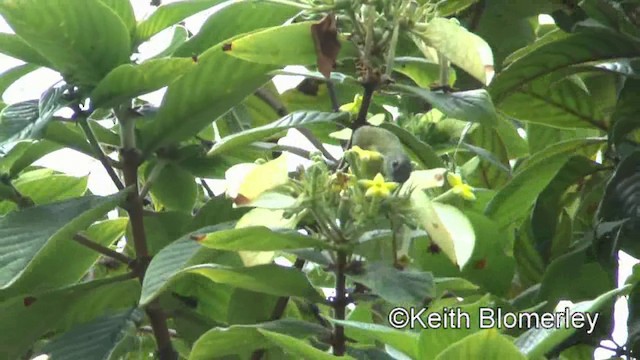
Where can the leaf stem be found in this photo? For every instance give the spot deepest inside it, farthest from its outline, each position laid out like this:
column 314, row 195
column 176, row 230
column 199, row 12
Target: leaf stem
column 81, row 117
column 155, row 172
column 85, row 241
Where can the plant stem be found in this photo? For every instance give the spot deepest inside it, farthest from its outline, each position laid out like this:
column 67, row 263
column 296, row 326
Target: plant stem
column 131, row 160
column 155, row 172
column 85, row 241
column 81, row 117
column 340, row 304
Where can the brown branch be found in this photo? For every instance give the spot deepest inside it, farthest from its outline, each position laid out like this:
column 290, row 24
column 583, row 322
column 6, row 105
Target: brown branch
column 131, row 160
column 85, row 241
column 340, row 303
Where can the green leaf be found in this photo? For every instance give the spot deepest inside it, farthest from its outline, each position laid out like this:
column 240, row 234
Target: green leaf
column 447, row 226
column 167, row 263
column 259, row 238
column 28, row 119
column 488, row 344
column 44, row 187
column 174, row 188
column 247, row 338
column 420, row 150
column 34, row 238
column 83, row 39
column 209, row 214
column 12, row 45
column 395, row 286
column 282, row 45
column 295, row 119
column 215, row 85
column 12, row 75
column 585, row 146
column 452, row 7
column 23, row 154
column 424, row 73
column 234, row 19
column 537, row 342
column 297, row 347
column 403, row 341
column 269, row 279
column 170, row 14
column 472, row 105
column 129, row 81
column 25, row 319
column 465, row 49
column 563, row 104
column 124, row 10
column 589, row 46
column 436, row 340
column 180, row 36
column 162, row 228
column 71, row 136
column 515, row 199
column 97, row 339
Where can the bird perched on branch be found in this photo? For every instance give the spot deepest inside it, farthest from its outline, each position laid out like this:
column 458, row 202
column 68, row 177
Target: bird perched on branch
column 396, row 165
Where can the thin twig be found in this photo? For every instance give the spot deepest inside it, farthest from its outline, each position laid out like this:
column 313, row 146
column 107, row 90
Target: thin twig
column 85, row 241
column 81, row 117
column 333, row 96
column 155, row 172
column 207, row 189
column 340, row 304
column 281, row 110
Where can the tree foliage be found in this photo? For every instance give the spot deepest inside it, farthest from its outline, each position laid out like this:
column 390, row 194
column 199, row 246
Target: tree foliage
column 522, row 137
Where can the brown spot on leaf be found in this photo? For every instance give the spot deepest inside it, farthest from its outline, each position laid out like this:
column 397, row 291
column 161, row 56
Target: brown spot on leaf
column 194, row 57
column 439, row 177
column 433, row 248
column 198, row 237
column 480, row 264
column 226, row 47
column 435, row 225
column 241, row 200
column 27, row 301
column 325, row 37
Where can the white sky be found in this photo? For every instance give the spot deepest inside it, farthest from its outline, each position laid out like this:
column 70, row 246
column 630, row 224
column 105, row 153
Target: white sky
column 77, row 164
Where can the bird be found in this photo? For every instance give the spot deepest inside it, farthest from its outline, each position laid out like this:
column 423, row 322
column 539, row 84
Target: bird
column 396, row 165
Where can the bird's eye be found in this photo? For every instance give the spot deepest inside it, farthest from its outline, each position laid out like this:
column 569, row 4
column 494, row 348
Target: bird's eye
column 395, row 163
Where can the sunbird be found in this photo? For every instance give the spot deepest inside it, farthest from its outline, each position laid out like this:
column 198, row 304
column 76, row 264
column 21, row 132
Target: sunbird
column 396, row 165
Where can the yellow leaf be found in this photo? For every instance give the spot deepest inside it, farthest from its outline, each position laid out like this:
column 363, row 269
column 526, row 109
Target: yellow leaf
column 262, row 178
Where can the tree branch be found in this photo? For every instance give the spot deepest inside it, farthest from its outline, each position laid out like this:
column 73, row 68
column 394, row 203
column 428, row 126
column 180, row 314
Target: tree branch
column 340, row 303
column 85, row 241
column 131, row 160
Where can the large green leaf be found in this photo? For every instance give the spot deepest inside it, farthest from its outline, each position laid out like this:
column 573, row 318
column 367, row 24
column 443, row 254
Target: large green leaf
column 23, row 154
column 33, row 239
column 71, row 136
column 247, row 338
column 295, row 119
column 44, row 187
column 563, row 104
column 299, row 348
column 403, row 341
column 169, row 14
column 465, row 49
column 434, row 341
column 488, row 344
column 128, row 81
column 578, row 48
column 124, row 10
column 537, row 342
column 259, row 238
column 423, row 72
column 234, row 19
column 83, row 39
column 172, row 259
column 282, row 45
column 10, row 76
column 14, row 46
column 472, row 105
column 98, row 339
column 24, row 319
column 395, row 286
column 174, row 188
column 269, row 279
column 215, row 85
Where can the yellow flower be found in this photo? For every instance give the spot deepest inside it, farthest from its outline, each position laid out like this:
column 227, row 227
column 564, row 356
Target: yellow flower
column 353, row 107
column 460, row 188
column 366, row 155
column 378, row 187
